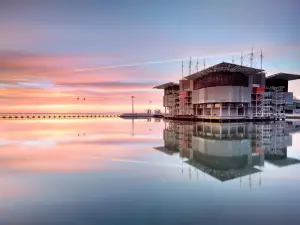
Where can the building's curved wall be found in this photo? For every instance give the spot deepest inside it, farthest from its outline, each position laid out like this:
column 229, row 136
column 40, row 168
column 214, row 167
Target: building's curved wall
column 221, row 94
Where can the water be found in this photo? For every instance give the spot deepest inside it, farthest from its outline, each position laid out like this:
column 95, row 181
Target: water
column 114, row 171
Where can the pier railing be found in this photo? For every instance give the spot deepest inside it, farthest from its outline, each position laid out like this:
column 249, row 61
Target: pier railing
column 4, row 116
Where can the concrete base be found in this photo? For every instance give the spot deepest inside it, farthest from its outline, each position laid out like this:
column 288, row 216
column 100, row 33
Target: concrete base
column 220, row 119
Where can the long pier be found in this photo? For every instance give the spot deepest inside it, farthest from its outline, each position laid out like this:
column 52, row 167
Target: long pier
column 7, row 116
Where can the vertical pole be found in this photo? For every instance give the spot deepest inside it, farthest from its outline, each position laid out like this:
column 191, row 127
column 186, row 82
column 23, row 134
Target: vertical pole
column 242, row 58
column 151, row 107
column 204, row 63
column 251, row 58
column 132, row 97
column 132, row 127
column 190, row 66
column 261, row 58
column 197, row 65
column 182, row 70
column 232, row 59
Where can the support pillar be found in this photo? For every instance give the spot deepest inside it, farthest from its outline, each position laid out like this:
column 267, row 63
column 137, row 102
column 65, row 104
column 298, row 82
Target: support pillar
column 220, row 109
column 237, row 109
column 229, row 109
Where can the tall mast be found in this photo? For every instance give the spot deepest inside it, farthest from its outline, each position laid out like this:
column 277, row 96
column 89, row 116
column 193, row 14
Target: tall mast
column 190, row 66
column 251, row 58
column 242, row 58
column 197, row 65
column 182, row 69
column 204, row 63
column 261, row 58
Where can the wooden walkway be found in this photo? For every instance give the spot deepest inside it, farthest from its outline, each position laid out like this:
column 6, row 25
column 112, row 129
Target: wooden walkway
column 10, row 116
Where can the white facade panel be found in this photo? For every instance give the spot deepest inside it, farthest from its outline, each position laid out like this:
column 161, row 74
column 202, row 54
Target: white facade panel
column 221, row 94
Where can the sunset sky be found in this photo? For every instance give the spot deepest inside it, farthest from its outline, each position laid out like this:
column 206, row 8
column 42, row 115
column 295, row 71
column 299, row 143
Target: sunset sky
column 51, row 52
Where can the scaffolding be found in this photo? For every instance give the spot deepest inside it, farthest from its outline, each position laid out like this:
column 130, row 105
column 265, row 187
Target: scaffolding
column 268, row 104
column 263, row 134
column 278, row 102
column 278, row 142
column 261, row 105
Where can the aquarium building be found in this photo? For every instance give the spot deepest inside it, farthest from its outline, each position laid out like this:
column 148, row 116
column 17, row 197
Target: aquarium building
column 227, row 91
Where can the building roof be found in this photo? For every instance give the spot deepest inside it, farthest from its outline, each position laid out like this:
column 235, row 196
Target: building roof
column 283, row 76
column 225, row 67
column 163, row 86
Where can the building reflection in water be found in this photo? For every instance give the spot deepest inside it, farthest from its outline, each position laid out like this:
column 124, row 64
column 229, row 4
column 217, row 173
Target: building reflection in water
column 230, row 150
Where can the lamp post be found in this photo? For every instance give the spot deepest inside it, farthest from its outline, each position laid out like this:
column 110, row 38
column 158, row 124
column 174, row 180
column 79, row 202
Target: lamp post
column 132, row 125
column 132, row 98
column 150, row 106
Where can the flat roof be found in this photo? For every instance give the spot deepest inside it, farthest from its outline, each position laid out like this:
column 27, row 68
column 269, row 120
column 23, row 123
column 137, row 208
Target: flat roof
column 225, row 67
column 283, row 76
column 163, row 86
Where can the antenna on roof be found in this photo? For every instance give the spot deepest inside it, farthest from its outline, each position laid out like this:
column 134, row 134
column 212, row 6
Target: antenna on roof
column 190, row 65
column 232, row 59
column 242, row 58
column 204, row 63
column 261, row 58
column 251, row 58
column 182, row 69
column 197, row 65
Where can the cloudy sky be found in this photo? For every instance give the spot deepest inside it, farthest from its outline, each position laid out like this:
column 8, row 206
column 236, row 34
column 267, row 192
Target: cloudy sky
column 52, row 52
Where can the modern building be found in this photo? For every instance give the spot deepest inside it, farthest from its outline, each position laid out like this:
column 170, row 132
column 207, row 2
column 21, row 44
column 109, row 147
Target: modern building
column 171, row 97
column 227, row 91
column 281, row 81
column 227, row 151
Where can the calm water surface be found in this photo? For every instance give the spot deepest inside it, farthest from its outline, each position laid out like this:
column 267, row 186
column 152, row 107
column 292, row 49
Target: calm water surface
column 114, row 171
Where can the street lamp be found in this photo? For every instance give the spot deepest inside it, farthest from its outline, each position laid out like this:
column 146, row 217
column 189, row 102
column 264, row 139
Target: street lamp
column 132, row 98
column 150, row 106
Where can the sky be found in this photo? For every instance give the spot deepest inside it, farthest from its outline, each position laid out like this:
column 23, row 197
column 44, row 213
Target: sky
column 52, row 52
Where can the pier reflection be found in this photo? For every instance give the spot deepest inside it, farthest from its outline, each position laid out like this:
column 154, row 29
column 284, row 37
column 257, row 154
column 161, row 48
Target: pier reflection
column 229, row 151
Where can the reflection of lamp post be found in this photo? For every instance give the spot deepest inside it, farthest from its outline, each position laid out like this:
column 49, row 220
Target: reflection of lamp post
column 132, row 127
column 132, row 97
